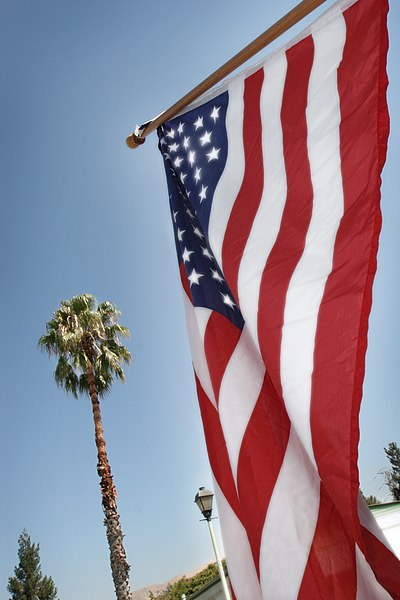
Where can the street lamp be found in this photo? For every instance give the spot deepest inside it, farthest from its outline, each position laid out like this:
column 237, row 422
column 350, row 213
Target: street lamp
column 204, row 500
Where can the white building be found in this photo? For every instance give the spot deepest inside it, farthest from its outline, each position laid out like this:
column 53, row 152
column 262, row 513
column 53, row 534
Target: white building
column 388, row 519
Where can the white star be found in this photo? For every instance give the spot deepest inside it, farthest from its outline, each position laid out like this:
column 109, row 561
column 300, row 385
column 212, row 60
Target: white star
column 174, row 147
column 213, row 155
column 174, row 215
column 217, row 276
column 197, row 231
column 215, row 113
column 202, row 194
column 162, row 141
column 180, row 234
column 197, row 174
column 192, row 156
column 186, row 141
column 171, row 134
column 227, row 300
column 166, row 155
column 180, row 128
column 177, row 161
column 206, row 252
column 194, row 277
column 183, row 177
column 199, row 122
column 189, row 212
column 186, row 255
column 206, row 138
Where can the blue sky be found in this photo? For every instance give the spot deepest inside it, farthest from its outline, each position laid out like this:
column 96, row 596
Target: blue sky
column 82, row 213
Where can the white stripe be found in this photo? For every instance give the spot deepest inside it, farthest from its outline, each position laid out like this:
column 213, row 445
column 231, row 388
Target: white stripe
column 242, row 572
column 289, row 525
column 368, row 587
column 240, row 389
column 307, row 284
column 231, row 179
column 196, row 323
column 368, row 521
column 268, row 218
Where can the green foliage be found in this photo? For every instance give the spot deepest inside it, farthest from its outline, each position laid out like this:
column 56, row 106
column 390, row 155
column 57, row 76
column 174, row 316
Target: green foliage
column 186, row 586
column 28, row 582
column 82, row 334
column 371, row 500
column 392, row 475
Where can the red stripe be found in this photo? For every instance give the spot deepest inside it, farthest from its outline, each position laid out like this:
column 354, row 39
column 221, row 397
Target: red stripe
column 220, row 341
column 290, row 242
column 385, row 564
column 248, row 199
column 216, row 447
column 260, row 460
column 330, row 571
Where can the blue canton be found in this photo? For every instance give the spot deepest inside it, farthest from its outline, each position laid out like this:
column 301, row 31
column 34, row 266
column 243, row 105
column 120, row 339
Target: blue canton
column 194, row 147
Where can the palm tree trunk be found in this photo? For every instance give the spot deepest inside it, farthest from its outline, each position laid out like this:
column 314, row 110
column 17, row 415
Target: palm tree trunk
column 119, row 565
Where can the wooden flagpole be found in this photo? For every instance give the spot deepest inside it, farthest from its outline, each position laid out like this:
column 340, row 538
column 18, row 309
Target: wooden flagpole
column 272, row 33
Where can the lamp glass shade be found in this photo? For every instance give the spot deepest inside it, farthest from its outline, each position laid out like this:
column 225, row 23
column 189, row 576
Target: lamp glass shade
column 204, row 500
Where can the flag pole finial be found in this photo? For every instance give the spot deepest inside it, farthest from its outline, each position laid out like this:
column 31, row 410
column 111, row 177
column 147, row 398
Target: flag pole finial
column 134, row 141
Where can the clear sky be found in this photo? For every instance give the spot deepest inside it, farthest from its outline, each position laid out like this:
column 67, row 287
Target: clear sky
column 80, row 212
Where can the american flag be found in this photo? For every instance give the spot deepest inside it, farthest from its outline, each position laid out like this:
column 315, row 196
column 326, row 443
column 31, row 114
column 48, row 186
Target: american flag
column 274, row 188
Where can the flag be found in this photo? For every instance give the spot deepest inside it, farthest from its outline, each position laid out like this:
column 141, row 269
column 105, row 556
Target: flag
column 274, row 188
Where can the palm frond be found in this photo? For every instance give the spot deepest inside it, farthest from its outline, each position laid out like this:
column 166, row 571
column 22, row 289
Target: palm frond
column 114, row 330
column 121, row 353
column 52, row 342
column 91, row 321
column 79, row 360
column 109, row 312
column 83, row 385
column 81, row 303
column 119, row 374
column 81, row 328
column 65, row 376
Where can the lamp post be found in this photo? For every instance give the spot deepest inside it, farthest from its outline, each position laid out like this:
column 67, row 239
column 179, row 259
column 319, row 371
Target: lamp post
column 204, row 500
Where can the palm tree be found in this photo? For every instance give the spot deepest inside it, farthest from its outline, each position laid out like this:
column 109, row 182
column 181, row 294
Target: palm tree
column 84, row 335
